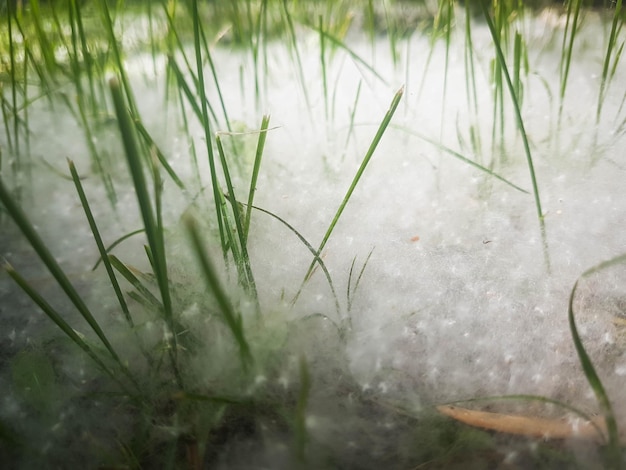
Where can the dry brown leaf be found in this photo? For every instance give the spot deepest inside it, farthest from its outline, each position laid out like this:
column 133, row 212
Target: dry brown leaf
column 527, row 425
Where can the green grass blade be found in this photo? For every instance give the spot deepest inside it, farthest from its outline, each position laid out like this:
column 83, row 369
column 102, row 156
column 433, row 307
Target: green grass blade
column 522, row 130
column 19, row 217
column 218, row 89
column 204, row 120
column 58, row 320
column 353, row 55
column 293, row 42
column 154, row 230
column 115, row 243
column 324, row 73
column 571, row 28
column 457, row 155
column 233, row 320
column 614, row 448
column 368, row 156
column 96, row 235
column 315, row 254
column 351, row 290
column 255, row 173
column 242, row 259
column 612, row 42
column 352, row 116
column 117, row 55
column 145, row 293
column 147, row 138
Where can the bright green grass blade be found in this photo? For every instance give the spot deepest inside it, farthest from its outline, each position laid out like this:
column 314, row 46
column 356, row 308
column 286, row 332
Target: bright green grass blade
column 233, row 320
column 204, row 120
column 19, row 217
column 242, row 259
column 614, row 449
column 368, row 156
column 522, row 130
column 96, row 235
column 255, row 173
column 457, row 155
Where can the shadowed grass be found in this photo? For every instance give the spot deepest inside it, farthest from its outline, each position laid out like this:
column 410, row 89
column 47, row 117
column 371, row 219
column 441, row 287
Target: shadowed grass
column 98, row 239
column 233, row 320
column 614, row 448
column 60, row 322
column 152, row 225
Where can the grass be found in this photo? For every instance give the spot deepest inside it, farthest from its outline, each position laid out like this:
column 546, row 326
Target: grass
column 202, row 363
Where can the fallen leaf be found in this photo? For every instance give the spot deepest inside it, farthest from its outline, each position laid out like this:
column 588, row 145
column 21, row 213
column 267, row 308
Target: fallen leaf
column 527, row 425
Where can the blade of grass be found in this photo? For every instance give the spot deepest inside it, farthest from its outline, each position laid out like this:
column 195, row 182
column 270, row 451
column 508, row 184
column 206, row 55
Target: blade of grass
column 293, row 42
column 457, row 155
column 154, row 230
column 522, row 130
column 60, row 322
column 607, row 74
column 315, row 254
column 20, row 218
column 151, row 300
column 204, row 120
column 614, row 449
column 149, row 142
column 353, row 55
column 233, row 320
column 115, row 243
column 351, row 291
column 241, row 256
column 352, row 116
column 470, row 83
column 96, row 235
column 255, row 173
column 368, row 156
column 567, row 48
